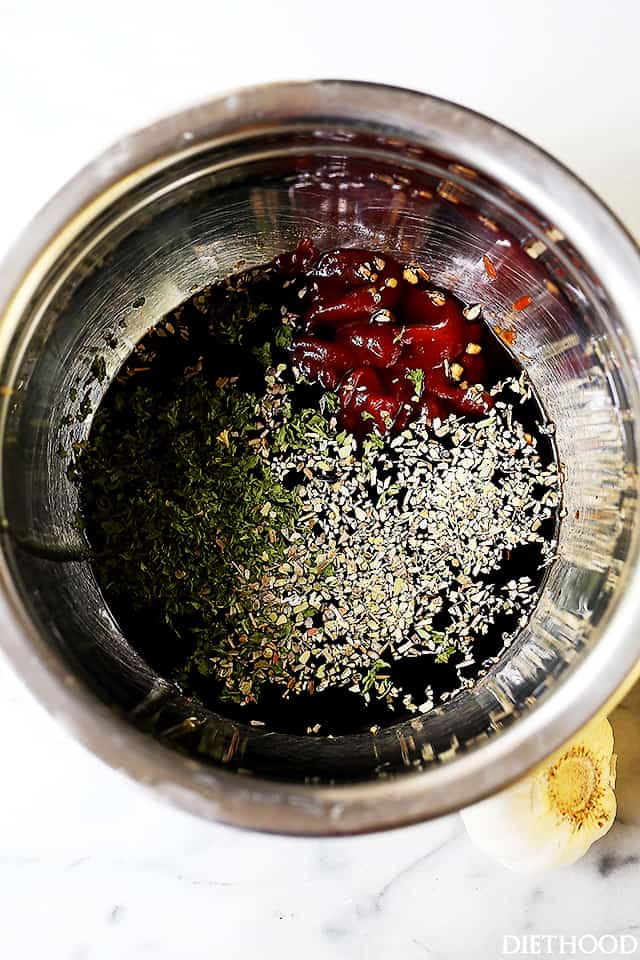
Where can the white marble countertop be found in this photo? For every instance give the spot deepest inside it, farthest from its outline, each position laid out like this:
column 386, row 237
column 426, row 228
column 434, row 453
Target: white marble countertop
column 91, row 866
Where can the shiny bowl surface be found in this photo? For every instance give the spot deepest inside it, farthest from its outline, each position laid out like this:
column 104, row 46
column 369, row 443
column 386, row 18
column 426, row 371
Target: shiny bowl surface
column 237, row 181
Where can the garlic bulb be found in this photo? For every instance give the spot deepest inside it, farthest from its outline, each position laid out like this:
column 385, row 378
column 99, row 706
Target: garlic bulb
column 552, row 817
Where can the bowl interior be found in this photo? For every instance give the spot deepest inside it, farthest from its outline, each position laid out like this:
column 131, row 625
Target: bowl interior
column 193, row 220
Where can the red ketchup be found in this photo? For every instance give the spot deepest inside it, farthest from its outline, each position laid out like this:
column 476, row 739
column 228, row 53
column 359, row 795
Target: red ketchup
column 388, row 342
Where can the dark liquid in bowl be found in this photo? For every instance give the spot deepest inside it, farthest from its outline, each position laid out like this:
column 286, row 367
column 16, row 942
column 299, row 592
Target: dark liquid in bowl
column 196, row 349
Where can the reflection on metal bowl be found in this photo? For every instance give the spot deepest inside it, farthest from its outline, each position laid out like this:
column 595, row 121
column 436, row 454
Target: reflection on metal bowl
column 237, row 181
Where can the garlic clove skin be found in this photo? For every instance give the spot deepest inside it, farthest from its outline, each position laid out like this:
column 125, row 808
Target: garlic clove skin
column 552, row 816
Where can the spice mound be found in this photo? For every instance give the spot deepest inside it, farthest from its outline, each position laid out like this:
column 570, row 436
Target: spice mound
column 308, row 525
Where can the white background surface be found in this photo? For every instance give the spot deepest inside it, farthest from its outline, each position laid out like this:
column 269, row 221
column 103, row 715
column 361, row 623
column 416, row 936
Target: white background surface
column 92, row 868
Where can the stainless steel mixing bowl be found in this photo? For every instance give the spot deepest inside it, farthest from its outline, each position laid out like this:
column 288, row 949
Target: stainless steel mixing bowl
column 242, row 178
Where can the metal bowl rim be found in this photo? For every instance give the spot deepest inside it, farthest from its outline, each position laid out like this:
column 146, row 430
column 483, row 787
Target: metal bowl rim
column 598, row 682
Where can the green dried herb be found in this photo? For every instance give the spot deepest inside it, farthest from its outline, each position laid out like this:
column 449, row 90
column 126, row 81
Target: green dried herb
column 174, row 496
column 98, row 369
column 417, row 378
column 373, row 674
column 445, row 654
column 85, row 408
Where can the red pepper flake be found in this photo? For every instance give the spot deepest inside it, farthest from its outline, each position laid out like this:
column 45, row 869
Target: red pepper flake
column 490, row 224
column 465, row 171
column 490, row 270
column 232, row 747
column 506, row 335
column 451, row 191
column 522, row 303
column 425, row 194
